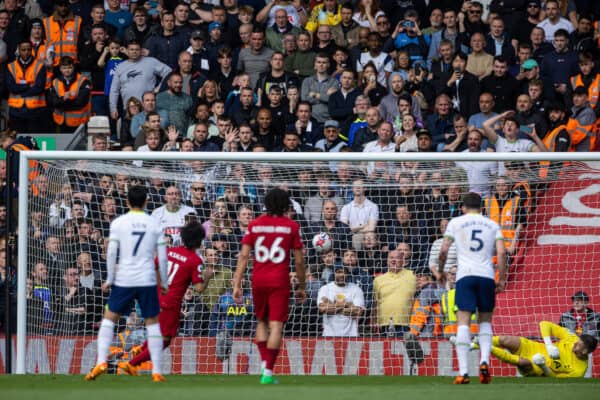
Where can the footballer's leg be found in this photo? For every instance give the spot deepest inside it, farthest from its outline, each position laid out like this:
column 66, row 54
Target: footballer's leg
column 466, row 301
column 169, row 326
column 463, row 344
column 485, row 346
column 119, row 300
column 511, row 343
column 149, row 305
column 278, row 312
column 261, row 307
column 262, row 334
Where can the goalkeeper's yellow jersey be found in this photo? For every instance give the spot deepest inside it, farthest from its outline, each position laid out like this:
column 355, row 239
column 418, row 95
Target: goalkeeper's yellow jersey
column 568, row 365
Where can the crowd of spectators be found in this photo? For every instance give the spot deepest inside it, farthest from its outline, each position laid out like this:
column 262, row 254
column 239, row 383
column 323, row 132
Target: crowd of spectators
column 293, row 76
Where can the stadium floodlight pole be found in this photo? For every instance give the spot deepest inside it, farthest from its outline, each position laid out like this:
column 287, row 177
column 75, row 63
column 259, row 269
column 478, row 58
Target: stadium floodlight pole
column 26, row 156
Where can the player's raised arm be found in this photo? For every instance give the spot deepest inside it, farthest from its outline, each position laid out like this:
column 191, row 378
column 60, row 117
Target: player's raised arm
column 548, row 330
column 240, row 270
column 301, row 274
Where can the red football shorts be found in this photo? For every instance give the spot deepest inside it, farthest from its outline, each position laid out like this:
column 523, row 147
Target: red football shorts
column 271, row 303
column 169, row 322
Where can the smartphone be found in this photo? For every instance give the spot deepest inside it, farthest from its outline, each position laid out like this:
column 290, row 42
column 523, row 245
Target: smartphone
column 526, row 129
column 408, row 24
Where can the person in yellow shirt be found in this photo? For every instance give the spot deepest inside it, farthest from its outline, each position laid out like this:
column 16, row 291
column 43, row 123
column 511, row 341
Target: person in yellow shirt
column 568, row 358
column 393, row 294
column 326, row 13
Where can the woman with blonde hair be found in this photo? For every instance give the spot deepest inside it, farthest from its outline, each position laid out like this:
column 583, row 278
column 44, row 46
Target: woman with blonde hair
column 134, row 107
column 209, row 92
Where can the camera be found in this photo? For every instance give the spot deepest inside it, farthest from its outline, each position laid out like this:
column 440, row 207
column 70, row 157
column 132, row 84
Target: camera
column 408, row 24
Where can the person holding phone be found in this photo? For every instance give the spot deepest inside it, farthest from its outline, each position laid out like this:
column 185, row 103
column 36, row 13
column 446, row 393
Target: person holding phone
column 461, row 86
column 408, row 36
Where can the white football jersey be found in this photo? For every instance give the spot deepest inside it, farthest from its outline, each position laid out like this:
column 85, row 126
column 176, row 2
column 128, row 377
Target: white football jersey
column 475, row 237
column 338, row 324
column 172, row 222
column 137, row 235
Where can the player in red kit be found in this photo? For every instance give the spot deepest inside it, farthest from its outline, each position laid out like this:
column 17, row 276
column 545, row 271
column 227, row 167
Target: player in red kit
column 184, row 267
column 272, row 236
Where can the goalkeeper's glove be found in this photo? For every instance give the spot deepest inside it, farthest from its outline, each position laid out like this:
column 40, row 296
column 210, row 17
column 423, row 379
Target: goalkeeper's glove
column 539, row 359
column 551, row 349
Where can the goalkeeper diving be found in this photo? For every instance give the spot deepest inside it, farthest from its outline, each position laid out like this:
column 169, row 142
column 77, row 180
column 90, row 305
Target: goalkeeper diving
column 567, row 358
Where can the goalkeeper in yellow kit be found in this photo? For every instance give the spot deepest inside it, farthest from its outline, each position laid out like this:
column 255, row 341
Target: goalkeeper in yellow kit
column 568, row 358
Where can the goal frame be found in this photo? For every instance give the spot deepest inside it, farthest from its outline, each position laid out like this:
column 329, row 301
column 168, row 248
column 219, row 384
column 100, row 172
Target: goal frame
column 26, row 156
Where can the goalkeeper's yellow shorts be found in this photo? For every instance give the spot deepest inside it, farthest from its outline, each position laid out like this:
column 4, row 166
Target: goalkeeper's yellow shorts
column 527, row 350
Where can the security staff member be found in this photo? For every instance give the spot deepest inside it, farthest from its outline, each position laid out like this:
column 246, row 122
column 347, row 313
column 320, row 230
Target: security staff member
column 25, row 83
column 70, row 97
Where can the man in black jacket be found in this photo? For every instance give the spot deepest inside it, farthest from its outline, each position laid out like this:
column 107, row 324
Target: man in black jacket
column 503, row 86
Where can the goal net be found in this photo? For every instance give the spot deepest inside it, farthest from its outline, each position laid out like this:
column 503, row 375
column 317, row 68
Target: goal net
column 385, row 217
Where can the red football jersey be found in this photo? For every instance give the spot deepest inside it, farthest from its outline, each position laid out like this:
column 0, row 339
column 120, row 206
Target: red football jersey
column 184, row 266
column 272, row 238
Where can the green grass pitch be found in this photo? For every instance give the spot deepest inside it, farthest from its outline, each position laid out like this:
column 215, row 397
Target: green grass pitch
column 197, row 387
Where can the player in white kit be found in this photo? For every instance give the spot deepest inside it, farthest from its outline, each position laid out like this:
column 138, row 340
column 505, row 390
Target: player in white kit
column 171, row 216
column 135, row 237
column 477, row 238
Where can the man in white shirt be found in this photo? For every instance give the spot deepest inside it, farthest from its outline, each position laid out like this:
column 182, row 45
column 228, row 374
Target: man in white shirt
column 361, row 214
column 510, row 143
column 479, row 173
column 135, row 237
column 383, row 144
column 171, row 216
column 342, row 304
column 477, row 238
column 554, row 21
column 434, row 253
column 382, row 60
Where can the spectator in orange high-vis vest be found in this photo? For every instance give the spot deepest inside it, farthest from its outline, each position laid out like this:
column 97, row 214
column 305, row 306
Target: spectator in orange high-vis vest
column 426, row 317
column 62, row 30
column 25, row 83
column 70, row 97
column 589, row 78
column 582, row 122
column 13, row 145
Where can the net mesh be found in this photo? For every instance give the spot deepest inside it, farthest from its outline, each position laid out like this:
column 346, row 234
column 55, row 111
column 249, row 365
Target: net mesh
column 376, row 213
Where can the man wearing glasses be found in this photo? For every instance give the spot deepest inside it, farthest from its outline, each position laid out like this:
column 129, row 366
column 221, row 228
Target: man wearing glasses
column 530, row 20
column 199, row 200
column 470, row 22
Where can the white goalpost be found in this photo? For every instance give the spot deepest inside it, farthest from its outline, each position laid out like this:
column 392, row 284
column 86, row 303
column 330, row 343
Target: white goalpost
column 548, row 205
